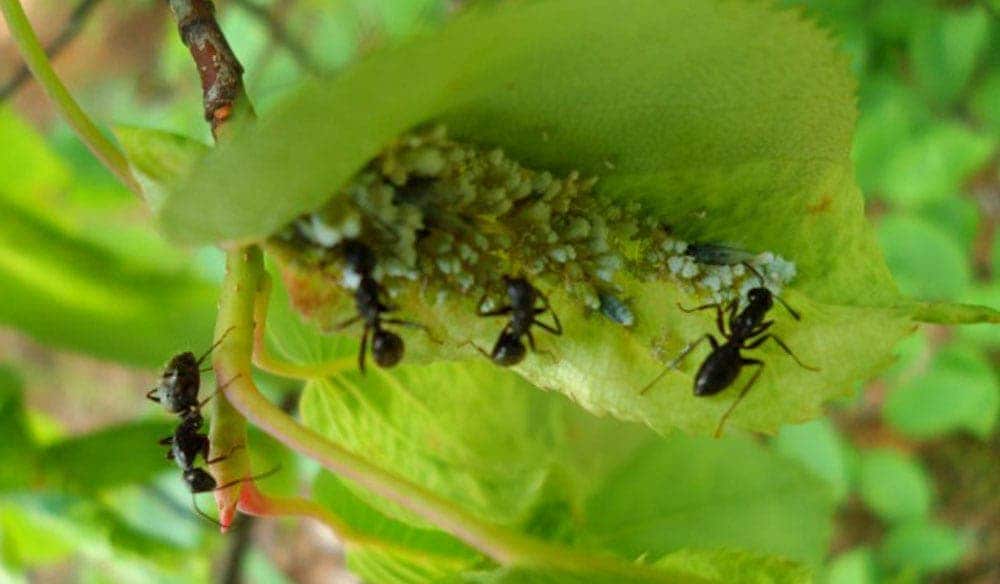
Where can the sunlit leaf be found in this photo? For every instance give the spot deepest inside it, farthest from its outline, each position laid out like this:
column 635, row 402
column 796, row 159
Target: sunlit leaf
column 895, row 487
column 818, row 447
column 945, row 49
column 70, row 293
column 923, row 547
column 854, row 567
column 531, row 461
column 925, row 260
column 960, row 390
column 157, row 158
column 81, row 463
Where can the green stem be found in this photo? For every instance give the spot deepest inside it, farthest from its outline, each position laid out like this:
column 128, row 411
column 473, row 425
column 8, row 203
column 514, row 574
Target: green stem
column 38, row 62
column 245, row 279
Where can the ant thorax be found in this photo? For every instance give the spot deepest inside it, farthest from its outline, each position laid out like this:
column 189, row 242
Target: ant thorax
column 449, row 220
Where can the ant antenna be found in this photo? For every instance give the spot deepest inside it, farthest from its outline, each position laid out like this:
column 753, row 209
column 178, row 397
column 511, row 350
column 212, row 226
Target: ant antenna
column 218, row 389
column 217, row 343
column 205, row 516
column 790, row 310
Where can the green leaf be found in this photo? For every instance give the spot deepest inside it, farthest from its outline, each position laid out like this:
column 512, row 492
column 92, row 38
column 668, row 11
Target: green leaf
column 158, row 158
column 486, row 440
column 926, row 262
column 935, row 164
column 647, row 69
column 945, row 49
column 856, row 566
column 818, row 447
column 960, row 390
column 732, row 566
column 17, row 447
column 985, row 99
column 81, row 463
column 923, row 547
column 750, row 147
column 28, row 170
column 895, row 487
column 764, row 504
column 68, row 292
column 891, row 114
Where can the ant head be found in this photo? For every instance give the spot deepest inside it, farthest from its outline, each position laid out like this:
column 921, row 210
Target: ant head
column 199, row 481
column 519, row 290
column 359, row 256
column 387, row 348
column 509, row 350
column 761, row 297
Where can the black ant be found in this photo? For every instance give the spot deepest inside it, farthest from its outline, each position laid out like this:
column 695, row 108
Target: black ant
column 387, row 346
column 185, row 444
column 181, row 381
column 722, row 366
column 509, row 349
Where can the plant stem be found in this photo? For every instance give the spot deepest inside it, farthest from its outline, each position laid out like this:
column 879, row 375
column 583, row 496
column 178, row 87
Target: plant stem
column 265, row 360
column 74, row 24
column 245, row 279
column 38, row 62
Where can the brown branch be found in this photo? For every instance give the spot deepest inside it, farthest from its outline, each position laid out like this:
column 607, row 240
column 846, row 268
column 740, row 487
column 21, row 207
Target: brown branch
column 221, row 73
column 74, row 25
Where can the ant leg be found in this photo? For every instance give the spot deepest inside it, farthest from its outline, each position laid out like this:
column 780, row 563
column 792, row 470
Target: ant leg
column 781, row 344
column 761, row 328
column 342, row 325
column 699, row 308
column 743, row 393
column 412, row 324
column 678, row 358
column 734, row 305
column 531, row 343
column 217, row 343
column 364, row 347
column 555, row 318
column 257, row 477
column 166, row 441
column 150, row 395
column 555, row 331
column 478, row 348
column 221, row 457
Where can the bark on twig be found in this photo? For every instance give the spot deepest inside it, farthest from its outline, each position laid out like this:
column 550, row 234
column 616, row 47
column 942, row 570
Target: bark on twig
column 74, row 25
column 221, row 73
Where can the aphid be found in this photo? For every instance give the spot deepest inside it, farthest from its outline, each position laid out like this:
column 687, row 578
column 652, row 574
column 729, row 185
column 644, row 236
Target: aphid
column 616, row 309
column 722, row 366
column 387, row 346
column 178, row 389
column 509, row 349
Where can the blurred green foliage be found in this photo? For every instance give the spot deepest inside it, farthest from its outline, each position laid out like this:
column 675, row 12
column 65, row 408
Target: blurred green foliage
column 82, row 269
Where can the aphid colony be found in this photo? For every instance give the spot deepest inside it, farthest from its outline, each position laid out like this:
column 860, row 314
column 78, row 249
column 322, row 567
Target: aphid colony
column 177, row 392
column 454, row 220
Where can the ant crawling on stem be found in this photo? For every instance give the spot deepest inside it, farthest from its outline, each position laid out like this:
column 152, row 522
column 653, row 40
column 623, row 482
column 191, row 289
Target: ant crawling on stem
column 387, row 346
column 181, row 381
column 509, row 349
column 185, row 444
column 723, row 365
